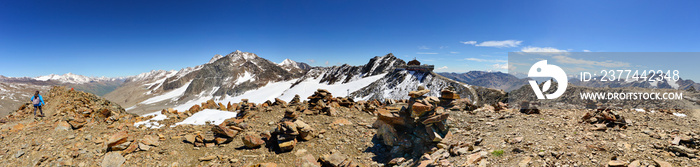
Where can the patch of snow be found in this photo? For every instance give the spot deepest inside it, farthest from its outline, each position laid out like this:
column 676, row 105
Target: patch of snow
column 639, row 110
column 672, row 82
column 207, row 115
column 679, row 114
column 170, row 95
column 153, row 122
column 654, row 83
column 262, row 94
column 246, row 77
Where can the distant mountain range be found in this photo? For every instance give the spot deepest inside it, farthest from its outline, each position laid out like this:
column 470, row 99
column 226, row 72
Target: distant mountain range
column 242, row 75
column 509, row 82
column 494, row 80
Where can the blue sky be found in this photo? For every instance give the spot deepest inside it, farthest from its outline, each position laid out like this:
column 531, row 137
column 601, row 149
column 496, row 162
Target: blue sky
column 125, row 37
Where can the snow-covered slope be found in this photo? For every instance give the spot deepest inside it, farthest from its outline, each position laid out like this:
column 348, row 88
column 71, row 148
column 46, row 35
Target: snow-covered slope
column 242, row 75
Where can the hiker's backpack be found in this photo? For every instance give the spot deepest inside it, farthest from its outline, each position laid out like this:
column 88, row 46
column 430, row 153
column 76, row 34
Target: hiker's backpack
column 36, row 101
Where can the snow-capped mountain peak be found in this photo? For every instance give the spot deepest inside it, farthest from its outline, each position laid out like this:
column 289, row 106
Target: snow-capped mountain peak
column 237, row 55
column 288, row 62
column 70, row 78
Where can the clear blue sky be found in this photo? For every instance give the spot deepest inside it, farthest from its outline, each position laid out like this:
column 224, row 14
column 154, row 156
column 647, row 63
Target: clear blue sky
column 125, row 37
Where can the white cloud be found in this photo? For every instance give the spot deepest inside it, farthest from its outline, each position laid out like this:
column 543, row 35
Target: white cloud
column 586, row 50
column 443, row 47
column 312, row 61
column 426, row 53
column 454, row 52
column 501, row 66
column 485, row 60
column 500, row 44
column 423, row 47
column 541, row 49
column 468, row 42
column 442, row 68
column 497, row 44
column 609, row 63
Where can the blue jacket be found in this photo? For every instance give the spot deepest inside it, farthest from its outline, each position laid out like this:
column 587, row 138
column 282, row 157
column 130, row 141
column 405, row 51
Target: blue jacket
column 40, row 99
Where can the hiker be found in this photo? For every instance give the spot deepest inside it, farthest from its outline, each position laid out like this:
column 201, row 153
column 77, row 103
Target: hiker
column 38, row 101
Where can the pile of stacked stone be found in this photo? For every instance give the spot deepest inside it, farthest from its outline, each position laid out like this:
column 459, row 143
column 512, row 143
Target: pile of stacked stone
column 76, row 108
column 288, row 131
column 683, row 144
column 371, row 106
column 346, row 102
column 414, row 129
column 604, row 118
column 244, row 109
column 528, row 107
column 319, row 103
column 219, row 134
column 295, row 101
column 279, row 102
column 448, row 99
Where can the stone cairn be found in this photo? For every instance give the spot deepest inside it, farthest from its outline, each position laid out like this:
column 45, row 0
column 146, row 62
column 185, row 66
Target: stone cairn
column 295, row 101
column 604, row 118
column 288, row 131
column 321, row 102
column 416, row 129
column 219, row 134
column 528, row 107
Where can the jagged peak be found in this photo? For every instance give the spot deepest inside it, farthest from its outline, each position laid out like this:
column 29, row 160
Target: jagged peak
column 288, row 62
column 244, row 55
column 216, row 57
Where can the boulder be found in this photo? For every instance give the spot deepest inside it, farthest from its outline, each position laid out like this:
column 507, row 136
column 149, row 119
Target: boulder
column 286, row 146
column 189, row 138
column 117, row 138
column 305, row 131
column 113, row 159
column 63, row 125
column 224, row 131
column 337, row 159
column 150, row 140
column 252, row 141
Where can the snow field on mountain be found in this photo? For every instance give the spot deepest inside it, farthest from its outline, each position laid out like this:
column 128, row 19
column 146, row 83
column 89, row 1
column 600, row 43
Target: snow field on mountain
column 169, row 95
column 199, row 118
column 307, row 87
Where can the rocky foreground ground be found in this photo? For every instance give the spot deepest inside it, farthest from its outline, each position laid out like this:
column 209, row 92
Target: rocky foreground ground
column 81, row 129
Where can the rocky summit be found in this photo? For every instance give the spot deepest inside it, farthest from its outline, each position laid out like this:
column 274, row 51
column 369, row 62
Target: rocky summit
column 81, row 129
column 342, row 116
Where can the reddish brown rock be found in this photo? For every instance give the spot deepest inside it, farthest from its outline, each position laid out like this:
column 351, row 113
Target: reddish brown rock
column 419, row 109
column 117, row 138
column 224, row 131
column 77, row 123
column 252, row 141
